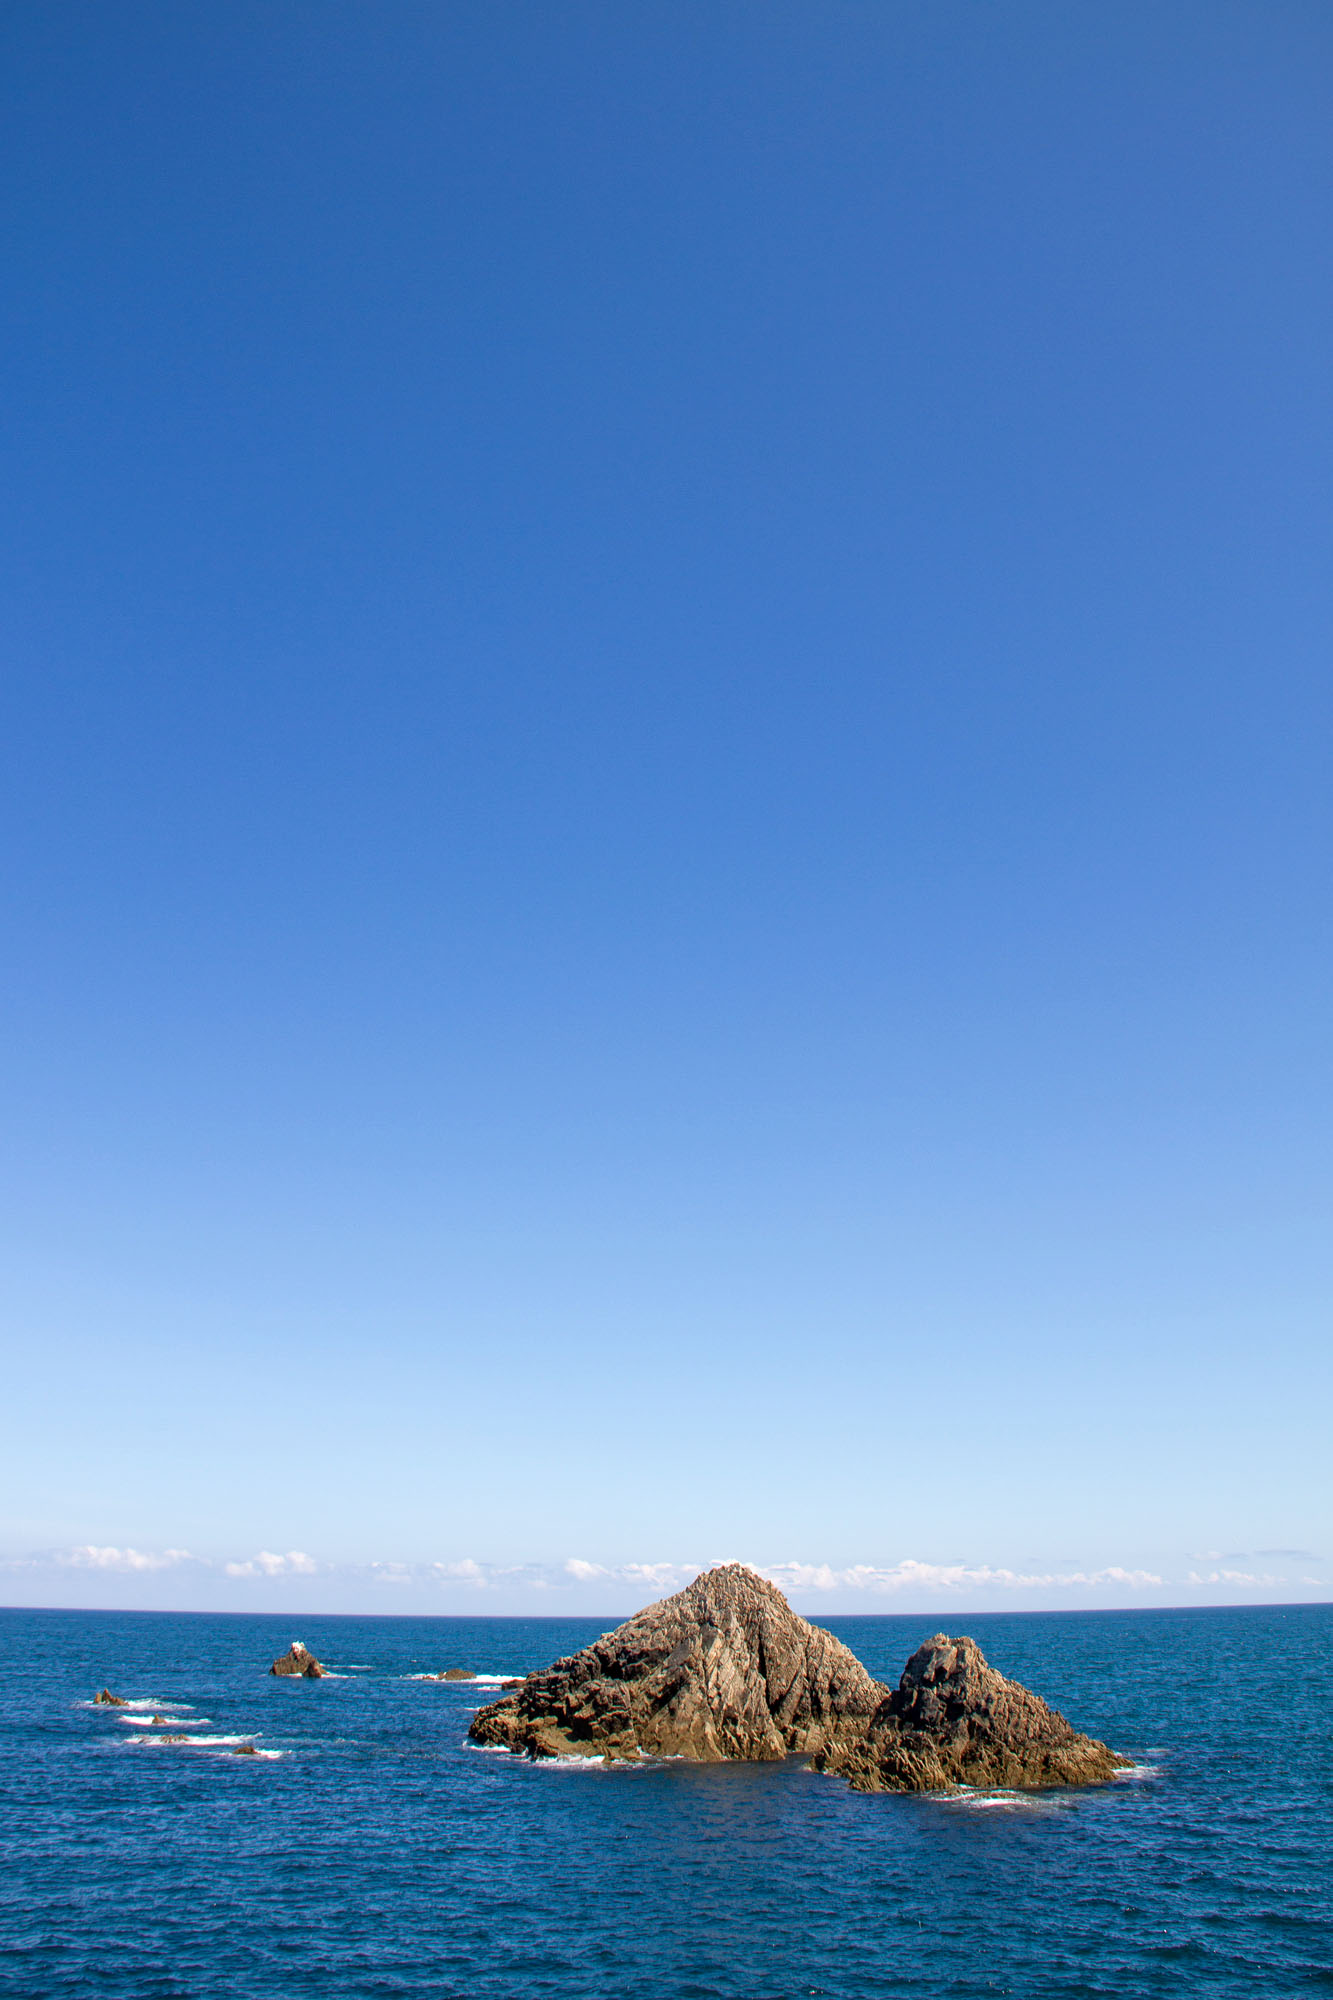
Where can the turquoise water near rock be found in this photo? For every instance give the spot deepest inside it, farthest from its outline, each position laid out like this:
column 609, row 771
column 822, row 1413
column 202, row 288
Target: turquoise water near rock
column 378, row 1855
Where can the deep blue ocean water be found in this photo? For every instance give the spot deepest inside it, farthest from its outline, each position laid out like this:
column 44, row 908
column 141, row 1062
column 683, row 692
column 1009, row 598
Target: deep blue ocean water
column 378, row 1855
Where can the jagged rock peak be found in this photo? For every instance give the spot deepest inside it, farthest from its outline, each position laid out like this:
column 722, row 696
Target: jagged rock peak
column 299, row 1660
column 953, row 1720
column 723, row 1669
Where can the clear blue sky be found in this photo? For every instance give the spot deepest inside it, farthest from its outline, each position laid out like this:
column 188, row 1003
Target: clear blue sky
column 666, row 800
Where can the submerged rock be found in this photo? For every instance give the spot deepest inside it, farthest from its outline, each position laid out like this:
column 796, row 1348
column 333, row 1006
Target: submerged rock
column 953, row 1720
column 108, row 1700
column 299, row 1661
column 724, row 1669
column 245, row 1750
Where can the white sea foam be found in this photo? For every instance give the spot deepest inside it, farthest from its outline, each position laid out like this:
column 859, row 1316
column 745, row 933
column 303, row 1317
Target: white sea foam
column 473, row 1680
column 992, row 1801
column 130, row 1709
column 166, row 1741
column 1132, row 1772
column 571, row 1762
column 169, row 1721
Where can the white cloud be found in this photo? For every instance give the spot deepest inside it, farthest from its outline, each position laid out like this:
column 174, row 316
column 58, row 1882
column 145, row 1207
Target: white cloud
column 581, row 1581
column 466, row 1571
column 660, row 1578
column 91, row 1557
column 941, row 1578
column 294, row 1563
column 392, row 1572
column 657, row 1579
column 1242, row 1579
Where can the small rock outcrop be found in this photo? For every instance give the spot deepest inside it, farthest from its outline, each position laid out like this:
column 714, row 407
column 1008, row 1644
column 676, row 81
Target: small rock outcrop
column 953, row 1720
column 299, row 1661
column 245, row 1750
column 456, row 1674
column 108, row 1700
column 724, row 1669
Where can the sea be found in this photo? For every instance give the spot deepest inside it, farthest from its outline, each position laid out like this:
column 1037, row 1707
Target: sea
column 369, row 1851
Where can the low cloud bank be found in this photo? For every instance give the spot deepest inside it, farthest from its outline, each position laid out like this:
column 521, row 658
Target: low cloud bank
column 104, row 1574
column 910, row 1575
column 294, row 1563
column 89, row 1556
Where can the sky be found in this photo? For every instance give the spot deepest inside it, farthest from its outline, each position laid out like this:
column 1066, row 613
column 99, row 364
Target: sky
column 664, row 815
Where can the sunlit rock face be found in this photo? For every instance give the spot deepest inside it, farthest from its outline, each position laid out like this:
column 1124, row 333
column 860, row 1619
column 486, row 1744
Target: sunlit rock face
column 953, row 1720
column 724, row 1669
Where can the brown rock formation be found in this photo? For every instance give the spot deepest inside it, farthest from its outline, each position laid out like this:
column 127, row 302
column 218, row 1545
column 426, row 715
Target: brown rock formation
column 724, row 1669
column 108, row 1700
column 952, row 1720
column 456, row 1674
column 299, row 1661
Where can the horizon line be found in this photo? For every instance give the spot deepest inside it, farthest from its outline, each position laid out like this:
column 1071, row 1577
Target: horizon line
column 564, row 1618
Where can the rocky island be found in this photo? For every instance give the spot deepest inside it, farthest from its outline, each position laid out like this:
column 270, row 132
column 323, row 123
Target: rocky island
column 298, row 1660
column 726, row 1669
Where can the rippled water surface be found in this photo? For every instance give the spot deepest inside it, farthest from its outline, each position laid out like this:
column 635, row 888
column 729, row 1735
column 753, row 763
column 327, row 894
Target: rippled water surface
column 378, row 1855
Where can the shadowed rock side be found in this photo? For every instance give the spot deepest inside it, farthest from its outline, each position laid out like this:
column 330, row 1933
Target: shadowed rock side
column 298, row 1661
column 952, row 1720
column 724, row 1669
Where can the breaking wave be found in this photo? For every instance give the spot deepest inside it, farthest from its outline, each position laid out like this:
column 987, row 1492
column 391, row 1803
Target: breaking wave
column 169, row 1721
column 993, row 1801
column 473, row 1680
